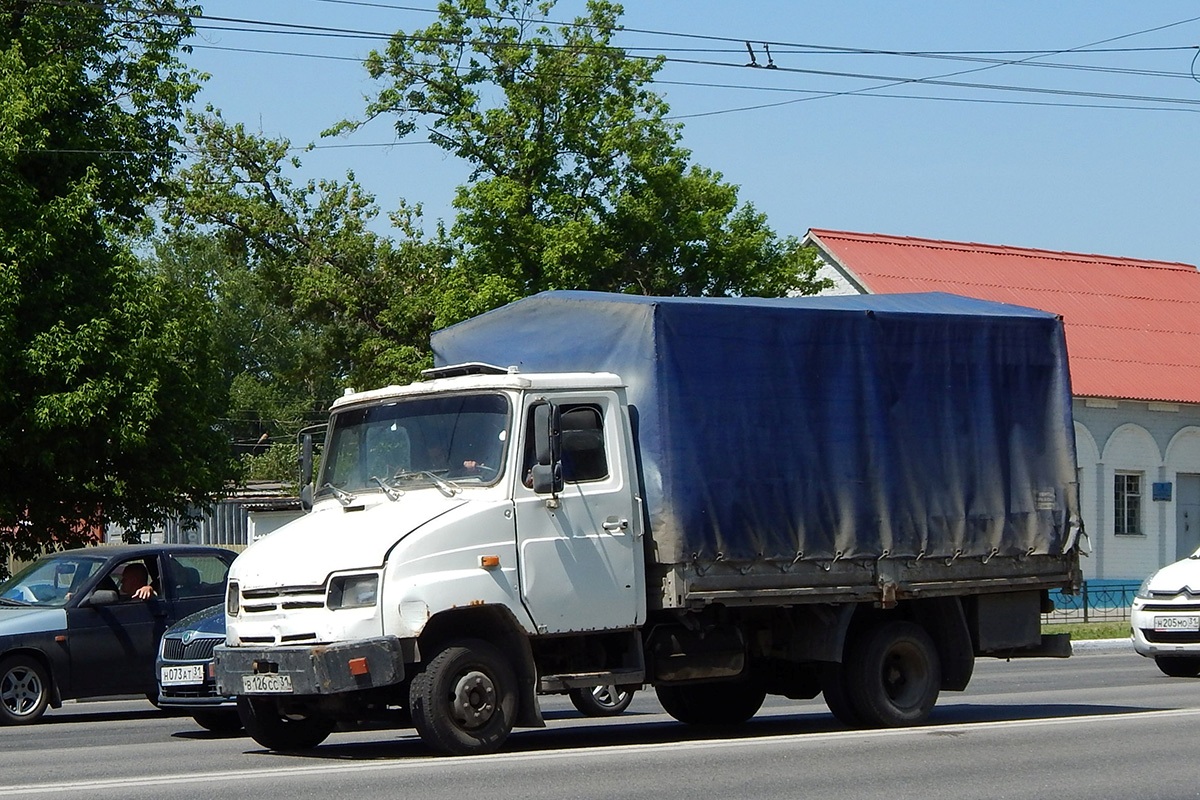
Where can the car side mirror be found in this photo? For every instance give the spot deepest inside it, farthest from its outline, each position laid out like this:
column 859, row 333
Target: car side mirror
column 101, row 597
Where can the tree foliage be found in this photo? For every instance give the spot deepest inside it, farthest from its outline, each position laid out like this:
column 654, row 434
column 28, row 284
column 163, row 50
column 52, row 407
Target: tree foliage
column 107, row 390
column 579, row 181
column 311, row 299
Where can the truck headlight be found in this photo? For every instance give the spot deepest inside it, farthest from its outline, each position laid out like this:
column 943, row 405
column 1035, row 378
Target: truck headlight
column 353, row 591
column 233, row 601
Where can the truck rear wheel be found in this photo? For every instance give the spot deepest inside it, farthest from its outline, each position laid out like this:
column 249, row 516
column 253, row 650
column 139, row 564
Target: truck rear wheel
column 464, row 701
column 277, row 731
column 721, row 703
column 893, row 675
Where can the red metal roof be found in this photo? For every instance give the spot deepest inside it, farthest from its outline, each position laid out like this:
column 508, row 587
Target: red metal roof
column 1133, row 326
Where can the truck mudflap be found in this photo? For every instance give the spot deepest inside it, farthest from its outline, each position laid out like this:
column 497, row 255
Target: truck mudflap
column 312, row 669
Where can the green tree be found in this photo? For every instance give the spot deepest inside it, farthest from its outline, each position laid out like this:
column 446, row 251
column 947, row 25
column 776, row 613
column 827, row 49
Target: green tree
column 108, row 390
column 310, row 299
column 578, row 180
column 261, row 356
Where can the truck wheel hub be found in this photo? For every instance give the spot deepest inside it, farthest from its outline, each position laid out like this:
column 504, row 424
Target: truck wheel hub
column 474, row 699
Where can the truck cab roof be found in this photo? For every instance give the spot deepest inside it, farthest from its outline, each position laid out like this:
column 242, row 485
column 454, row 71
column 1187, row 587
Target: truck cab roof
column 481, row 377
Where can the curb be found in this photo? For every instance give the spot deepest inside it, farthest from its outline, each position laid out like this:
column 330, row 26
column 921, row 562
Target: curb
column 1101, row 645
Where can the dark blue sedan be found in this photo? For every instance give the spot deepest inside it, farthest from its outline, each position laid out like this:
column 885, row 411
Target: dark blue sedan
column 87, row 623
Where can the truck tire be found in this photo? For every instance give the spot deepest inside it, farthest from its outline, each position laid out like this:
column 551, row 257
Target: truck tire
column 464, row 701
column 601, row 701
column 221, row 721
column 837, row 695
column 24, row 690
column 893, row 675
column 276, row 731
column 720, row 703
column 1178, row 666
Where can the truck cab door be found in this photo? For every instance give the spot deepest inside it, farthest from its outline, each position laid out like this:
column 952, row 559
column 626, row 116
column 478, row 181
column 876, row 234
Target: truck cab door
column 580, row 551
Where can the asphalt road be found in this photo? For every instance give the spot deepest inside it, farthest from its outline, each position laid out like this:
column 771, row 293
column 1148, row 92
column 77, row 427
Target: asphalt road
column 1100, row 725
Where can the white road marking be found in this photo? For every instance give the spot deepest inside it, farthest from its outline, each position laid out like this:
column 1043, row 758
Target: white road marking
column 575, row 754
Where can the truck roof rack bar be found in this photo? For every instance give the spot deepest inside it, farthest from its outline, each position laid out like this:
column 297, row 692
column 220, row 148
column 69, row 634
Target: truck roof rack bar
column 459, row 370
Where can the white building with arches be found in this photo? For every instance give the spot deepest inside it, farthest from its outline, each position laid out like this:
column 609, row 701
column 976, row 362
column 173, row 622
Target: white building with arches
column 1133, row 339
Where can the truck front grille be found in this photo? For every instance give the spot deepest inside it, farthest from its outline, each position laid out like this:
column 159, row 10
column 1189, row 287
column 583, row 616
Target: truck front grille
column 282, row 598
column 291, row 638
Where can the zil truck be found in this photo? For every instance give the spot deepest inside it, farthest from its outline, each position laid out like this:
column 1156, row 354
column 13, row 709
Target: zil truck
column 722, row 499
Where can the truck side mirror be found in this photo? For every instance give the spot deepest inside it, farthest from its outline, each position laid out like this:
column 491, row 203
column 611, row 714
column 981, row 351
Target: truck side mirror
column 306, row 471
column 547, row 439
column 547, row 479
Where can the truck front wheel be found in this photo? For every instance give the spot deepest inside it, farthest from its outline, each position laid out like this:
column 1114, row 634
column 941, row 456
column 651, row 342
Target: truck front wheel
column 464, row 701
column 277, row 731
column 894, row 675
column 721, row 703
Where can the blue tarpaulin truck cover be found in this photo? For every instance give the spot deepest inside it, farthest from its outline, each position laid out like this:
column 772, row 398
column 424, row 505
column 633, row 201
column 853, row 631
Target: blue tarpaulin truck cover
column 920, row 425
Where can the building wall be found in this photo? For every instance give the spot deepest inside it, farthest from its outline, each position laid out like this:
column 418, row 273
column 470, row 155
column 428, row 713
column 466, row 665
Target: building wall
column 1160, row 442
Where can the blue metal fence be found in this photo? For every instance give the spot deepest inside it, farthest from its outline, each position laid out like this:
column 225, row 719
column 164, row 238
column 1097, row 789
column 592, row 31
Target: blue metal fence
column 1097, row 601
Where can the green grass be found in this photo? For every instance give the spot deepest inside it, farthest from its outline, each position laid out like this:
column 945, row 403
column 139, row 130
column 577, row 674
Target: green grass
column 1090, row 630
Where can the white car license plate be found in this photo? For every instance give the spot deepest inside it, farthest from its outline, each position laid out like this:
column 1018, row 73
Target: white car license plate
column 1177, row 623
column 269, row 683
column 183, row 676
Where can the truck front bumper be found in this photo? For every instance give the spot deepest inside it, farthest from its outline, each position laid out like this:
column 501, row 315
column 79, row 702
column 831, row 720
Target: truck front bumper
column 312, row 669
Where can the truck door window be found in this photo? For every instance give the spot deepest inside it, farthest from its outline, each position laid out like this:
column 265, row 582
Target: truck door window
column 583, row 454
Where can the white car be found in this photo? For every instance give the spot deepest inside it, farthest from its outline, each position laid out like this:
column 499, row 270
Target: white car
column 1166, row 618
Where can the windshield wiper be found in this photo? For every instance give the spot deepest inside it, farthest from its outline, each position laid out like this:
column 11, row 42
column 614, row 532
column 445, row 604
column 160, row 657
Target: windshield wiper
column 444, row 486
column 8, row 601
column 391, row 491
column 345, row 498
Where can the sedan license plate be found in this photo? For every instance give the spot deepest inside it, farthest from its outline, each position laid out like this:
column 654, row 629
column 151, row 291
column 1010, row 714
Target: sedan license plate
column 269, row 683
column 183, row 676
column 1177, row 623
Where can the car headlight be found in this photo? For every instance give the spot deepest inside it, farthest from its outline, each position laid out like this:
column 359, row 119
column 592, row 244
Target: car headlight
column 233, row 601
column 1143, row 592
column 353, row 591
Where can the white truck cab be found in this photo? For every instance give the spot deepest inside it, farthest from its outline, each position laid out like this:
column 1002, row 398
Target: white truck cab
column 425, row 505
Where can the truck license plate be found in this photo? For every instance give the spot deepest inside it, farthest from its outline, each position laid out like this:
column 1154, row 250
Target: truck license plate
column 1177, row 623
column 183, row 676
column 271, row 683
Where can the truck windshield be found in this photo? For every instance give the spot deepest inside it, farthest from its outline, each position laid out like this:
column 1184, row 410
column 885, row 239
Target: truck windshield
column 456, row 439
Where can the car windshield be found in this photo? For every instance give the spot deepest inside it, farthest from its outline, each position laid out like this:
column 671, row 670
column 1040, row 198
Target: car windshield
column 446, row 441
column 49, row 581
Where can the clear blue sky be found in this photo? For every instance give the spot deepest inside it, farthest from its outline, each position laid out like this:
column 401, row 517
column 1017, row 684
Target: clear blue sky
column 1092, row 150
